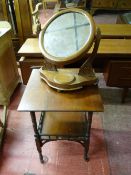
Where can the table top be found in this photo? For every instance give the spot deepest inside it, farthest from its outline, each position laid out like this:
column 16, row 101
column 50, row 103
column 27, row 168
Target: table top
column 67, row 34
column 38, row 96
column 120, row 47
column 115, row 30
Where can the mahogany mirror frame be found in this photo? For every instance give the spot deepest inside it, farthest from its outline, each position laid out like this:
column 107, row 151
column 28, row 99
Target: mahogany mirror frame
column 78, row 54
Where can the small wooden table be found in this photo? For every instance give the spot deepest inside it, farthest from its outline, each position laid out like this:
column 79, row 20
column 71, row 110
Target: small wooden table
column 64, row 115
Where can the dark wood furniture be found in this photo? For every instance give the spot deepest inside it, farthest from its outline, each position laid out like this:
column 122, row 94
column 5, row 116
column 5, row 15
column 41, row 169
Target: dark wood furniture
column 64, row 116
column 109, row 5
column 122, row 72
column 124, row 18
column 9, row 76
column 118, row 74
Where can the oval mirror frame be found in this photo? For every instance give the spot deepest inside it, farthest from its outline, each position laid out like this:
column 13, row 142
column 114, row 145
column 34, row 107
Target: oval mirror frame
column 76, row 55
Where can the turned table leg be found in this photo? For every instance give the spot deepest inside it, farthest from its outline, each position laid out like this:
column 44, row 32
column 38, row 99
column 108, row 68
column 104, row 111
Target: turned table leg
column 87, row 143
column 37, row 136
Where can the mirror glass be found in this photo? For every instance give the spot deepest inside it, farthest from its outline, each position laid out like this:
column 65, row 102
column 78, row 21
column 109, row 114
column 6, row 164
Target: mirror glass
column 66, row 34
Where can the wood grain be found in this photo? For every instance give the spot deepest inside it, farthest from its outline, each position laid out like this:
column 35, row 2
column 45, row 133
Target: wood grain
column 115, row 30
column 107, row 46
column 38, row 96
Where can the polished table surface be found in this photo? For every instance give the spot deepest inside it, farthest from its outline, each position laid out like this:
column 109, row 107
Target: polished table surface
column 115, row 47
column 115, row 30
column 38, row 96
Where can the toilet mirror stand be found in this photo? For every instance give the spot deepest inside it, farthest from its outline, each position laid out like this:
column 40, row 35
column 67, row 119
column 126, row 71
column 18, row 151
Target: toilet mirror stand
column 65, row 39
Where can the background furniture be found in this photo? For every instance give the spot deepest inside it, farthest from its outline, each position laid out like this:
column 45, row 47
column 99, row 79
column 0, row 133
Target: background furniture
column 58, row 120
column 48, row 1
column 7, row 13
column 24, row 26
column 118, row 74
column 109, row 50
column 124, row 18
column 63, row 5
column 108, row 5
column 18, row 13
column 9, row 76
column 115, row 31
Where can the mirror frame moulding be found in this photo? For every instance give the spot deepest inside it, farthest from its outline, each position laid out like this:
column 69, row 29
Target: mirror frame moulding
column 77, row 55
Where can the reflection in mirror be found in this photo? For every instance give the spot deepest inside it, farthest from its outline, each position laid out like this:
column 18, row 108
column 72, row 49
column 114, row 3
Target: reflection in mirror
column 66, row 36
column 76, row 31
